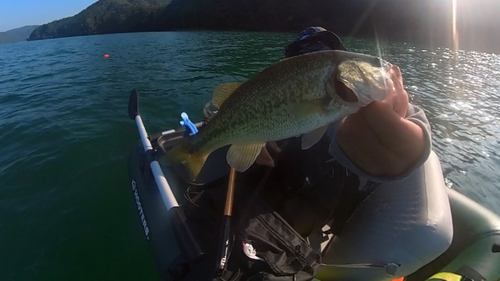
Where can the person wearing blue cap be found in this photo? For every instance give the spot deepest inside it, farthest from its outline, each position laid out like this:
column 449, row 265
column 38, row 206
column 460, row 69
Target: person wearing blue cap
column 383, row 142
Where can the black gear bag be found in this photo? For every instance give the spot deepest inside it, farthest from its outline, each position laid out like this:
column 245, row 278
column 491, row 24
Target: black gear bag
column 264, row 246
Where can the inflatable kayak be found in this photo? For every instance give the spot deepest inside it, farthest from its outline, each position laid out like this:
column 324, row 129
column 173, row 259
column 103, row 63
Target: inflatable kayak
column 437, row 234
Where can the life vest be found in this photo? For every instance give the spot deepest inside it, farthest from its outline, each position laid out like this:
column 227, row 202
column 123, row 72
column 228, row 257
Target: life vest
column 443, row 276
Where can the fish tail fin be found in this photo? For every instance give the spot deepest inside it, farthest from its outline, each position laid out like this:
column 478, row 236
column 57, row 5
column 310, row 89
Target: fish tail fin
column 183, row 153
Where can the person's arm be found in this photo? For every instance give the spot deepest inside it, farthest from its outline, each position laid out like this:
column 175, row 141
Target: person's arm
column 377, row 159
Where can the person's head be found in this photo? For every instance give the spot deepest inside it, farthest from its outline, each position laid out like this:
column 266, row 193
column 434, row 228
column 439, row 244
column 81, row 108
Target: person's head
column 313, row 39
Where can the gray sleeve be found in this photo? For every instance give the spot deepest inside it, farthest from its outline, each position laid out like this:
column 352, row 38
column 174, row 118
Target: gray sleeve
column 415, row 115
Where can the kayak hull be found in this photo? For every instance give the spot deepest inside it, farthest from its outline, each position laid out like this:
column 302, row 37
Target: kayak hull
column 475, row 248
column 152, row 212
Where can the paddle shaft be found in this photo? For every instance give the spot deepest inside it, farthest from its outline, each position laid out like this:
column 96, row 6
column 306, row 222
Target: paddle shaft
column 228, row 208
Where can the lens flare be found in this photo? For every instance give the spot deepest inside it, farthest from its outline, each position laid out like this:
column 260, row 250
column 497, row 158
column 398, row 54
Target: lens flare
column 454, row 24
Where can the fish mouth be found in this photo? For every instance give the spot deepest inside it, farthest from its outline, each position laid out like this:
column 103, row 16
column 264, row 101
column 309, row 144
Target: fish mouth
column 363, row 80
column 344, row 93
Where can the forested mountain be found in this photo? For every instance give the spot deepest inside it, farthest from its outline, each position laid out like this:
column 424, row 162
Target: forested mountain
column 473, row 25
column 428, row 22
column 16, row 35
column 104, row 16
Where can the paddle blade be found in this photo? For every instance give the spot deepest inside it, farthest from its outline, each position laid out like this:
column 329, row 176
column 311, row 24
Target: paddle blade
column 133, row 104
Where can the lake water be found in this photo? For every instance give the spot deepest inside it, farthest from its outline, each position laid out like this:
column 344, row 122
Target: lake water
column 66, row 208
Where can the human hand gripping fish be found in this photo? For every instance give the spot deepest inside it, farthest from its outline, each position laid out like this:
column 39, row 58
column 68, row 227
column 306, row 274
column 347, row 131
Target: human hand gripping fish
column 299, row 96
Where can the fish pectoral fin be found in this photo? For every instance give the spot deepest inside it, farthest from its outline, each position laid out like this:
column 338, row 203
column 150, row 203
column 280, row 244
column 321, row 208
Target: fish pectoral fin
column 313, row 137
column 242, row 156
column 223, row 91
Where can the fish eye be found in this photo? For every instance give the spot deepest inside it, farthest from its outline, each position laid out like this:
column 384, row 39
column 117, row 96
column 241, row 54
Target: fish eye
column 377, row 62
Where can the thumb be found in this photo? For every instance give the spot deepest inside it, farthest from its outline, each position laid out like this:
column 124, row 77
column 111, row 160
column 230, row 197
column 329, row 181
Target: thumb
column 399, row 96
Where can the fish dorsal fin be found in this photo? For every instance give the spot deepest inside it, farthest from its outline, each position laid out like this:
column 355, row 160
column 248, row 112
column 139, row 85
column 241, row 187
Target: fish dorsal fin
column 223, row 91
column 313, row 137
column 242, row 156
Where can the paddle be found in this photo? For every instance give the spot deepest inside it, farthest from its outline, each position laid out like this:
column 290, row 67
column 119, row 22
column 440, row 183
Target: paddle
column 183, row 235
column 226, row 225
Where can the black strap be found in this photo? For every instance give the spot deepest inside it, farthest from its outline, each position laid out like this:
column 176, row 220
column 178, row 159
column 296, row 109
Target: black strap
column 351, row 196
column 347, row 203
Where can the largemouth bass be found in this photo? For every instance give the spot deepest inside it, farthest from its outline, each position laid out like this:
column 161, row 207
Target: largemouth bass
column 297, row 96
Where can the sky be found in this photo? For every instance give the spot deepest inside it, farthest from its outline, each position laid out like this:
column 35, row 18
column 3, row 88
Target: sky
column 18, row 13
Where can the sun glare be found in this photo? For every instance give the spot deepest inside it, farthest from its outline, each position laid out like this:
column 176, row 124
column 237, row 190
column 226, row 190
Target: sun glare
column 454, row 24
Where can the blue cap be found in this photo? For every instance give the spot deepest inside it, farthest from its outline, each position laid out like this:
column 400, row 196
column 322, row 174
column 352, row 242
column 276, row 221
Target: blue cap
column 313, row 39
column 309, row 32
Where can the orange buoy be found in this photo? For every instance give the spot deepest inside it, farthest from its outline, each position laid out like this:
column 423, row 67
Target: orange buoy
column 106, row 56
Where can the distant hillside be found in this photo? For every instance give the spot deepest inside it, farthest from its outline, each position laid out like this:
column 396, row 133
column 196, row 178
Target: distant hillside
column 16, row 35
column 427, row 22
column 104, row 16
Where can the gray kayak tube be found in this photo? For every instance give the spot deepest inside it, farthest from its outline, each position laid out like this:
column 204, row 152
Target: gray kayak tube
column 188, row 245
